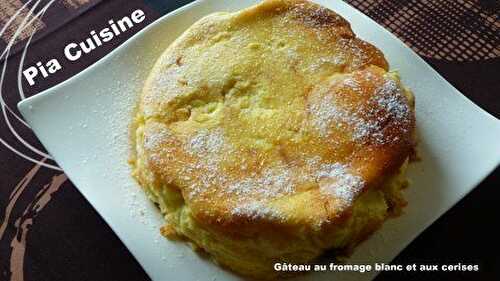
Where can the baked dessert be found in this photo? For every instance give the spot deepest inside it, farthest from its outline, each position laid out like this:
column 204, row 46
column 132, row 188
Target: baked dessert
column 271, row 135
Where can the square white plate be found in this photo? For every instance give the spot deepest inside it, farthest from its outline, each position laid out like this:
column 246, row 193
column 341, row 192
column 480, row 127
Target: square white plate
column 83, row 123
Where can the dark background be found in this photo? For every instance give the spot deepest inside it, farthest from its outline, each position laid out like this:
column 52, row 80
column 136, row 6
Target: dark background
column 68, row 240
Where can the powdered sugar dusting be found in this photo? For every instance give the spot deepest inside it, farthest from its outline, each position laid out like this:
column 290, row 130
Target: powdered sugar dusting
column 257, row 210
column 327, row 113
column 152, row 141
column 206, row 145
column 389, row 97
column 206, row 142
column 386, row 106
column 271, row 184
column 345, row 186
column 335, row 179
column 333, row 61
column 352, row 83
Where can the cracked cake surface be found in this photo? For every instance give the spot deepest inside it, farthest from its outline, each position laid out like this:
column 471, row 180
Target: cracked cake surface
column 271, row 135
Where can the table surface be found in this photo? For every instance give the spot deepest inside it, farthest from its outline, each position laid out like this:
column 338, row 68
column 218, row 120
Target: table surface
column 48, row 231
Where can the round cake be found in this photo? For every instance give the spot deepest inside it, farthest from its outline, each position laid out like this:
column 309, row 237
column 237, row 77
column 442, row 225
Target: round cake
column 271, row 135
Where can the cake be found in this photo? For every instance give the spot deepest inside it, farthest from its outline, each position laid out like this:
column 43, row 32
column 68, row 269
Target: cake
column 271, row 135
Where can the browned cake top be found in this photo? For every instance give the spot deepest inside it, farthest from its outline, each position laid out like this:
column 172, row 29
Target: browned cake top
column 276, row 114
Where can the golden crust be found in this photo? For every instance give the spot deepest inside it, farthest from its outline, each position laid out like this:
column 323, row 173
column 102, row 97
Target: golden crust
column 271, row 122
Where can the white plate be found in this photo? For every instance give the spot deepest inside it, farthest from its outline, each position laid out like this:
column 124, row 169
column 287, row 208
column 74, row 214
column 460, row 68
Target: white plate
column 83, row 124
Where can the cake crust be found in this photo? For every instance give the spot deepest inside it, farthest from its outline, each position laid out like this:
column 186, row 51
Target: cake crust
column 266, row 127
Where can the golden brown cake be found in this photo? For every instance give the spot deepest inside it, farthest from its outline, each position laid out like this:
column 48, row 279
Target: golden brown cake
column 271, row 135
